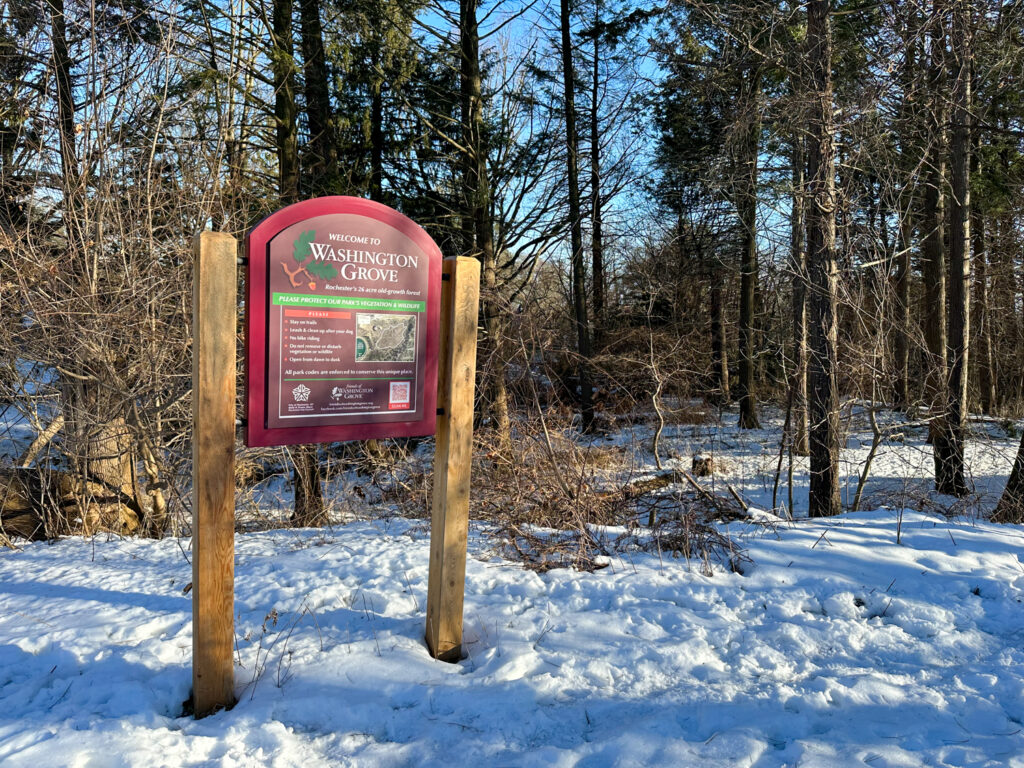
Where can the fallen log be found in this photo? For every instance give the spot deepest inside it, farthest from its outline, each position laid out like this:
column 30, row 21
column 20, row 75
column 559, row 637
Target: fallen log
column 39, row 503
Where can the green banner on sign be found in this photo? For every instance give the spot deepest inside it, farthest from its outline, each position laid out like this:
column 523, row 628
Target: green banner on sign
column 347, row 302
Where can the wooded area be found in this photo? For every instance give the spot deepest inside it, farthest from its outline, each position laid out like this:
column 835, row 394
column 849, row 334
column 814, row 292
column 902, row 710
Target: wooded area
column 759, row 203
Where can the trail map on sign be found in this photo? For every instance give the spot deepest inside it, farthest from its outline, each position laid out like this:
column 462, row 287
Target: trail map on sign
column 385, row 338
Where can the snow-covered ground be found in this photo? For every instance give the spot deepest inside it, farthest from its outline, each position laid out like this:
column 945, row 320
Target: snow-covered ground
column 901, row 472
column 837, row 646
column 879, row 638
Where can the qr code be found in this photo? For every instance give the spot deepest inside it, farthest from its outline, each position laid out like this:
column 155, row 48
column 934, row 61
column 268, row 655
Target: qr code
column 401, row 394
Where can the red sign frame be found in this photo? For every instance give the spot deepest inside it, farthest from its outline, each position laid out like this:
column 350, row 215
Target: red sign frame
column 257, row 315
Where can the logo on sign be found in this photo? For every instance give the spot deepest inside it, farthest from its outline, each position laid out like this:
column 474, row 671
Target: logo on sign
column 301, row 393
column 313, row 268
column 400, row 395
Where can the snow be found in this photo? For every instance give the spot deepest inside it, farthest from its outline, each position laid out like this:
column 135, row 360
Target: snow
column 889, row 637
column 837, row 646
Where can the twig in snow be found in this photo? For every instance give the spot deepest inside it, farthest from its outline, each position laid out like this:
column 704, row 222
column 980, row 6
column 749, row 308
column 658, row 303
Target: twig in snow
column 544, row 630
column 408, row 586
column 368, row 612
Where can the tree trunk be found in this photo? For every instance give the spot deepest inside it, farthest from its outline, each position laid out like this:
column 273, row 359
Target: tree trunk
column 579, row 296
column 477, row 190
column 309, row 503
column 933, row 219
column 986, row 368
column 322, row 167
column 747, row 208
column 901, row 353
column 285, row 112
column 798, row 264
column 904, row 203
column 1010, row 508
column 821, row 260
column 1004, row 319
column 66, row 126
column 949, row 435
column 597, row 277
column 377, row 138
column 98, row 442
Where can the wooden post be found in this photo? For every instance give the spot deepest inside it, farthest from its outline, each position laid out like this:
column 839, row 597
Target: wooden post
column 214, row 319
column 453, row 455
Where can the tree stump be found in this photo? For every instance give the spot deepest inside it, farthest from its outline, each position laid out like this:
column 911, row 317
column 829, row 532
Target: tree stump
column 702, row 466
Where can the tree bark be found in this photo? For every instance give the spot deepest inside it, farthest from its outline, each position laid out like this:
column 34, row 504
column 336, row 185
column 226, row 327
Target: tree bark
column 986, row 367
column 98, row 441
column 579, row 295
column 982, row 312
column 949, row 436
column 905, row 204
column 901, row 353
column 285, row 112
column 1004, row 320
column 821, row 233
column 65, row 121
column 376, row 138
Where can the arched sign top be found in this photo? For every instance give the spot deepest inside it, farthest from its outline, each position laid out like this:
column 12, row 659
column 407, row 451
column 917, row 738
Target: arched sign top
column 342, row 314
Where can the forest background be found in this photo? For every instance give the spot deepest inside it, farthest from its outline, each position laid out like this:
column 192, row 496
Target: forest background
column 806, row 207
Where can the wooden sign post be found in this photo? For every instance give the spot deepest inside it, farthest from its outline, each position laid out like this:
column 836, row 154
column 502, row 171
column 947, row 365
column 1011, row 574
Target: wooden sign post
column 453, row 457
column 214, row 319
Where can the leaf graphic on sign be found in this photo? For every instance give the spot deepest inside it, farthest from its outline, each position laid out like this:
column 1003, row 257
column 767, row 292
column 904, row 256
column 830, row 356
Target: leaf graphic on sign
column 322, row 269
column 301, row 249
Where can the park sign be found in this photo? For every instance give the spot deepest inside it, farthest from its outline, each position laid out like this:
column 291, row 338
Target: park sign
column 351, row 333
column 342, row 316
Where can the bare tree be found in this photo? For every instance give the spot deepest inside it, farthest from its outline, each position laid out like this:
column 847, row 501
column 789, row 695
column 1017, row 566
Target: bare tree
column 746, row 204
column 821, row 263
column 579, row 295
column 933, row 218
column 798, row 264
column 949, row 436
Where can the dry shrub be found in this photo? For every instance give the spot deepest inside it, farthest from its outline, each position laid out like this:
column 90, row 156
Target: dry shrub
column 691, row 536
column 543, row 550
column 547, row 504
